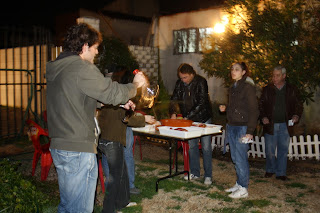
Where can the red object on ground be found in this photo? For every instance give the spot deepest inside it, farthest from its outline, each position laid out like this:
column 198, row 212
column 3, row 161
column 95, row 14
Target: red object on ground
column 34, row 133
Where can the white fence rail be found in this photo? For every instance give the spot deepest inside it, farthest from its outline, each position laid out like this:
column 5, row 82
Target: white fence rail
column 299, row 148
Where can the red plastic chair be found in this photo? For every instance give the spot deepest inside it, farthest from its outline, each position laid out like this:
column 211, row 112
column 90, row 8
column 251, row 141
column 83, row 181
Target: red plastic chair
column 100, row 170
column 185, row 149
column 34, row 133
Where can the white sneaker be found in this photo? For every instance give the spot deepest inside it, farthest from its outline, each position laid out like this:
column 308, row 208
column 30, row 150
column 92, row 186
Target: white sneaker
column 131, row 204
column 191, row 176
column 233, row 188
column 242, row 192
column 207, row 181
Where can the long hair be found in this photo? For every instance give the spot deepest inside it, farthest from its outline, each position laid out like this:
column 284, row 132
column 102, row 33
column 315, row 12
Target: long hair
column 79, row 35
column 243, row 67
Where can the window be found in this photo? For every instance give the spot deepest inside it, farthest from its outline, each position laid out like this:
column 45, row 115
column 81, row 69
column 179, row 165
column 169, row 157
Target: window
column 191, row 40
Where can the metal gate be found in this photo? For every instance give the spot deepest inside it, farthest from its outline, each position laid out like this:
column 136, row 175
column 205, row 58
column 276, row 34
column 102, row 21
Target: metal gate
column 23, row 56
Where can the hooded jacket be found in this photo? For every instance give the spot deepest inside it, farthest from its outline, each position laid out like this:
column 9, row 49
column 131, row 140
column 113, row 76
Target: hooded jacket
column 243, row 105
column 201, row 107
column 73, row 87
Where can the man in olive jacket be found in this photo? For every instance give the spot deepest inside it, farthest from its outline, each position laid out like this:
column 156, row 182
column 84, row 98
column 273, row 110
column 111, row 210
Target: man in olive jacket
column 280, row 108
column 74, row 85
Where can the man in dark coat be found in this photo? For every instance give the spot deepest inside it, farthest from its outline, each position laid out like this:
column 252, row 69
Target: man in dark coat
column 280, row 108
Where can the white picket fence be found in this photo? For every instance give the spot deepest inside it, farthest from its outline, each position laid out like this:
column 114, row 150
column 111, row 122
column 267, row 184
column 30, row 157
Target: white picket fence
column 299, row 148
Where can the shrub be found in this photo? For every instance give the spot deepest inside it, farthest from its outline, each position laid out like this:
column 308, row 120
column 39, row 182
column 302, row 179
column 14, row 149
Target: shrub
column 16, row 193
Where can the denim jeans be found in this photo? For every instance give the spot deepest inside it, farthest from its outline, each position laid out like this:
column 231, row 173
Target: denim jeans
column 117, row 194
column 239, row 153
column 77, row 177
column 128, row 157
column 194, row 155
column 280, row 141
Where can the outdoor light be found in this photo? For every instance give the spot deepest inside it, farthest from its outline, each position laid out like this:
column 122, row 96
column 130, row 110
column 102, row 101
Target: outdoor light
column 219, row 28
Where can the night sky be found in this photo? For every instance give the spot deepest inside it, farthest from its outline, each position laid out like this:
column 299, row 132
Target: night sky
column 41, row 13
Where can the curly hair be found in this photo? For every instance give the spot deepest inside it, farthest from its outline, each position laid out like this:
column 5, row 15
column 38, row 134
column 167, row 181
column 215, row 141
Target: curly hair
column 78, row 35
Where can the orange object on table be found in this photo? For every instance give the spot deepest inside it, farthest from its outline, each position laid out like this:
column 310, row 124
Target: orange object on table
column 176, row 122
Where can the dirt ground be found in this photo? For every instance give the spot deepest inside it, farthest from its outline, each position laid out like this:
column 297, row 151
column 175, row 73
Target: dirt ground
column 301, row 193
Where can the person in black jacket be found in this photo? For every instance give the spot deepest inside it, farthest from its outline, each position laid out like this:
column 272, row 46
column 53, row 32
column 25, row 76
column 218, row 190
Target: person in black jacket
column 242, row 116
column 191, row 99
column 280, row 108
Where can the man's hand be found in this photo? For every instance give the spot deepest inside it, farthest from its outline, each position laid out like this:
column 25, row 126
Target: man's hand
column 295, row 119
column 139, row 80
column 265, row 120
column 129, row 105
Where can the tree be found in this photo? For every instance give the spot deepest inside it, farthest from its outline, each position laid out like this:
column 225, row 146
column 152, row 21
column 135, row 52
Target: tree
column 112, row 53
column 267, row 33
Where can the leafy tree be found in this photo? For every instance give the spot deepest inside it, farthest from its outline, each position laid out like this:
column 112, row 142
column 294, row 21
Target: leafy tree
column 112, row 53
column 267, row 33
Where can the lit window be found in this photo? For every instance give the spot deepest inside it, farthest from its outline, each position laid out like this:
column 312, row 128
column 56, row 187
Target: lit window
column 192, row 40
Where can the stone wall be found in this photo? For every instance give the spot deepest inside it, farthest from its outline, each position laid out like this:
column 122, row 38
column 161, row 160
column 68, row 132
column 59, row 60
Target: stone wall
column 148, row 60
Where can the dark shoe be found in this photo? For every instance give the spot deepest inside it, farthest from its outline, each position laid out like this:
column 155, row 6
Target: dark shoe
column 284, row 178
column 268, row 175
column 135, row 191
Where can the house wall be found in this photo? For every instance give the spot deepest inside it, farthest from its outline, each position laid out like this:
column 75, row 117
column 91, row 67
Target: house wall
column 169, row 62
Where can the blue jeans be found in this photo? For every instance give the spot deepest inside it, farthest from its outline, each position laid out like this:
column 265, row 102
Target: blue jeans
column 128, row 157
column 194, row 155
column 280, row 140
column 239, row 153
column 77, row 177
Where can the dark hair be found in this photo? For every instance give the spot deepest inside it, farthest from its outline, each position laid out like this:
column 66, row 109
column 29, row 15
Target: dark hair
column 79, row 35
column 243, row 67
column 122, row 75
column 186, row 69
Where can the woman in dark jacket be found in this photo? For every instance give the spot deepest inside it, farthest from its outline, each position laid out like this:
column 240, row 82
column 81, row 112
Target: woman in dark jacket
column 242, row 115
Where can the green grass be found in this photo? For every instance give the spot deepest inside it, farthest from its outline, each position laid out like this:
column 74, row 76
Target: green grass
column 260, row 203
column 220, row 196
column 296, row 185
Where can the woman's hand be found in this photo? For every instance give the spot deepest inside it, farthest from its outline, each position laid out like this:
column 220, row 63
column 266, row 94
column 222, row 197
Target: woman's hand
column 150, row 119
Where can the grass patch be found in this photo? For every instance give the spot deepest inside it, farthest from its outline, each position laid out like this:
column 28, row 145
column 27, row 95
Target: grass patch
column 219, row 196
column 260, row 181
column 260, row 203
column 296, row 185
column 178, row 207
column 178, row 198
column 230, row 210
column 294, row 201
column 142, row 168
column 222, row 165
column 255, row 173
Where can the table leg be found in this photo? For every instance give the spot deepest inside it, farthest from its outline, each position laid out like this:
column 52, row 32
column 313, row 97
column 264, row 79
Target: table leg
column 170, row 166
